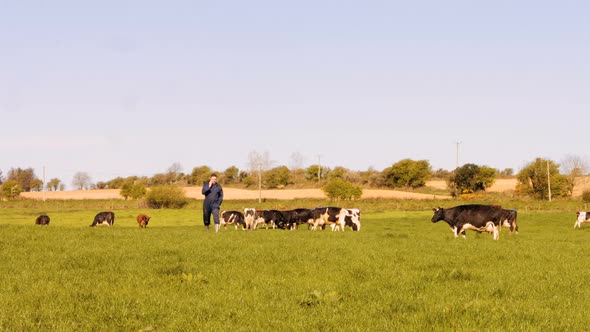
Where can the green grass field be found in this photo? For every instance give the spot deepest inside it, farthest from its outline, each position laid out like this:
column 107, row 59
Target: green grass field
column 401, row 272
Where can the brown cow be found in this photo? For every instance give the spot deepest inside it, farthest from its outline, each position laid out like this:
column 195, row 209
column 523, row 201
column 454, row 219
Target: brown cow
column 143, row 220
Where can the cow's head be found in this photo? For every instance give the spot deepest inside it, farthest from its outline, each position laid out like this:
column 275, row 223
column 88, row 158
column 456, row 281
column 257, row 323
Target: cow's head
column 439, row 214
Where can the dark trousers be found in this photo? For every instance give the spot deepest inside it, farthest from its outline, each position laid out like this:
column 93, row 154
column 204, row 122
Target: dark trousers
column 207, row 210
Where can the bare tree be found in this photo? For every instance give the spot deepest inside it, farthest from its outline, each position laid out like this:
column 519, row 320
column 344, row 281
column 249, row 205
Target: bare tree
column 82, row 181
column 573, row 166
column 259, row 160
column 297, row 160
column 175, row 169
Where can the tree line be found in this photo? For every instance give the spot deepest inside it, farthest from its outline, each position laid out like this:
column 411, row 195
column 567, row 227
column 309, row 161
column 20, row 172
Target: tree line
column 340, row 182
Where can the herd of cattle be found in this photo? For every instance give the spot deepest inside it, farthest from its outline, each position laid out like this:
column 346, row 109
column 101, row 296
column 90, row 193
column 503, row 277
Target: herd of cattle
column 477, row 217
column 335, row 217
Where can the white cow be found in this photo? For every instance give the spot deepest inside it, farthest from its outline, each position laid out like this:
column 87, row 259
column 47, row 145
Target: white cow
column 582, row 218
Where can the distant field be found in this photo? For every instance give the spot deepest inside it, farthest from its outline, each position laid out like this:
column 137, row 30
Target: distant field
column 233, row 194
column 401, row 272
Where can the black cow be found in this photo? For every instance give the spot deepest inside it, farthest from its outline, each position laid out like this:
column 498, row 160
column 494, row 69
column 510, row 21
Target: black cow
column 235, row 218
column 42, row 220
column 104, row 218
column 481, row 218
column 509, row 220
column 297, row 217
column 272, row 218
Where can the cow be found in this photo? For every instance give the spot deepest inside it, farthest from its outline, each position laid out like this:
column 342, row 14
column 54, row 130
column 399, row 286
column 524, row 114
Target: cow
column 249, row 214
column 272, row 218
column 352, row 219
column 296, row 217
column 481, row 218
column 104, row 218
column 235, row 218
column 333, row 216
column 42, row 220
column 143, row 220
column 581, row 217
column 509, row 220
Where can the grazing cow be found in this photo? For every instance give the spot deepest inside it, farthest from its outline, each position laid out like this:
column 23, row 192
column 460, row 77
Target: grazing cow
column 235, row 218
column 272, row 218
column 352, row 219
column 143, row 220
column 297, row 217
column 582, row 217
column 249, row 214
column 509, row 220
column 104, row 218
column 333, row 216
column 481, row 218
column 42, row 220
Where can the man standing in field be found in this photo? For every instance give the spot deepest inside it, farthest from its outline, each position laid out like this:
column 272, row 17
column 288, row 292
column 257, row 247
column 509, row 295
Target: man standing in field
column 213, row 199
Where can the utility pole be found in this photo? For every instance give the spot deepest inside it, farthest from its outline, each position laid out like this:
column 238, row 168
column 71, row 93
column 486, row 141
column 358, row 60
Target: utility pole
column 548, row 181
column 43, row 187
column 319, row 169
column 260, row 183
column 457, row 161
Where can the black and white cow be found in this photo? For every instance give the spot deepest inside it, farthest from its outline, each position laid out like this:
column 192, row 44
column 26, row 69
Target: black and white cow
column 270, row 218
column 104, row 218
column 353, row 219
column 249, row 214
column 509, row 220
column 581, row 217
column 42, row 220
column 481, row 218
column 235, row 218
column 296, row 217
column 333, row 216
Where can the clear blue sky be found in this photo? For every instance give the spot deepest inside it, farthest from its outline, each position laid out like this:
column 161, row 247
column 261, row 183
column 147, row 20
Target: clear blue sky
column 119, row 88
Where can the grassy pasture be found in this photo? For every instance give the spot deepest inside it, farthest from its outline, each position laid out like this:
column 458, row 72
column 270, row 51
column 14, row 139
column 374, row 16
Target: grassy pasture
column 401, row 272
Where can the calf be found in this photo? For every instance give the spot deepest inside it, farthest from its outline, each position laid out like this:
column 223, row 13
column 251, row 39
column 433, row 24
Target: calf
column 581, row 217
column 143, row 220
column 104, row 218
column 42, row 220
column 235, row 218
column 481, row 218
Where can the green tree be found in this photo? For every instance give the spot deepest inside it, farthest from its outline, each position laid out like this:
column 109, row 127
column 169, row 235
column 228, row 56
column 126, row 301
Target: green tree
column 533, row 181
column 311, row 173
column 201, row 174
column 167, row 196
column 338, row 189
column 277, row 177
column 471, row 178
column 11, row 189
column 231, row 174
column 407, row 173
column 53, row 184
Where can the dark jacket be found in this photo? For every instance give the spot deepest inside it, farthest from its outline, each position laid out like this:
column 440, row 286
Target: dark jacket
column 213, row 195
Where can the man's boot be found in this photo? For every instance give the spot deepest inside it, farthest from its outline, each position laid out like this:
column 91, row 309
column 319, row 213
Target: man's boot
column 207, row 227
column 217, row 228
